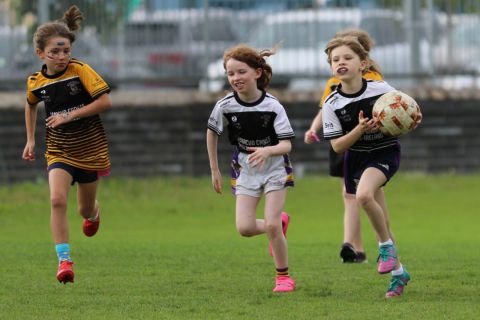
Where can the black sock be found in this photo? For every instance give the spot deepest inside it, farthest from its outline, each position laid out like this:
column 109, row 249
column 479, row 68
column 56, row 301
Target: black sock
column 282, row 271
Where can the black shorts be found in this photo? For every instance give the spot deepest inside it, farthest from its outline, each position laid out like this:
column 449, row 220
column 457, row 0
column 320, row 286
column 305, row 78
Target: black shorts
column 386, row 160
column 336, row 163
column 78, row 175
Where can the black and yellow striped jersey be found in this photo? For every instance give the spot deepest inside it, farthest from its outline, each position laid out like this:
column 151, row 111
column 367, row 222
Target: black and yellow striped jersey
column 82, row 143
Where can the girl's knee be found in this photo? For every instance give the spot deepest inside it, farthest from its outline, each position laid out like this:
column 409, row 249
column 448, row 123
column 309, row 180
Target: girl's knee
column 272, row 228
column 58, row 201
column 87, row 210
column 245, row 231
column 348, row 196
column 364, row 198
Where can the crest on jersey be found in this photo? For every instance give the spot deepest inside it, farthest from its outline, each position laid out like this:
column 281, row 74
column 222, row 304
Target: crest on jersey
column 74, row 87
column 44, row 96
column 266, row 118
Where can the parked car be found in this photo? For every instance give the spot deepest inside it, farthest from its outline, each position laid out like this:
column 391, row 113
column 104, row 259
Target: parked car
column 465, row 40
column 305, row 33
column 462, row 48
column 13, row 41
column 175, row 44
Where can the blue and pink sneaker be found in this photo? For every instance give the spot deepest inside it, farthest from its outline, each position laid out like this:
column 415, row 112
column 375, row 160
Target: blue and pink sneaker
column 397, row 284
column 387, row 258
column 285, row 222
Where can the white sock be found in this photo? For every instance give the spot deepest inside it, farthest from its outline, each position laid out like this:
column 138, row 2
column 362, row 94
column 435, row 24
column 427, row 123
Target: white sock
column 94, row 218
column 388, row 242
column 398, row 272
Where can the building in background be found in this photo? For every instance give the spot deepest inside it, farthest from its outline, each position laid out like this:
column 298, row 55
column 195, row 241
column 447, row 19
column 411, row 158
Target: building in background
column 268, row 5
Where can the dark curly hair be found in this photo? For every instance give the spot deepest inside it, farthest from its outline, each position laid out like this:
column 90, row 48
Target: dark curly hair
column 253, row 59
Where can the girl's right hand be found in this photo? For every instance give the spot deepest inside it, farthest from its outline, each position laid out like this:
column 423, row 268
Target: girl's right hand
column 311, row 136
column 217, row 181
column 29, row 152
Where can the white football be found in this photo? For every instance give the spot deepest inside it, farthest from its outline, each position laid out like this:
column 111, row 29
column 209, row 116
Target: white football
column 396, row 113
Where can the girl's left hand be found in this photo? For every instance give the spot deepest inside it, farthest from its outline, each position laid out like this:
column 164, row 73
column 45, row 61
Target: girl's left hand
column 57, row 120
column 258, row 156
column 217, row 181
column 418, row 120
column 367, row 125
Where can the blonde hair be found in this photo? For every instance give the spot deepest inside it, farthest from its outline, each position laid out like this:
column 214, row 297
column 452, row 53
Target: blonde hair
column 253, row 59
column 363, row 39
column 64, row 28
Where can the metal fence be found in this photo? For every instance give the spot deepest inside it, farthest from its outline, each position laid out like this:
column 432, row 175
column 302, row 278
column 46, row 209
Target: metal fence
column 180, row 42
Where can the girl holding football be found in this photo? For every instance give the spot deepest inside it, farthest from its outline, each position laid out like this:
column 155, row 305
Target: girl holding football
column 371, row 158
column 76, row 146
column 352, row 250
column 259, row 129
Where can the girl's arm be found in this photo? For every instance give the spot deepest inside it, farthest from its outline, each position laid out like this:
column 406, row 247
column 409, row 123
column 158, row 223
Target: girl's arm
column 259, row 155
column 341, row 144
column 212, row 142
column 311, row 134
column 101, row 104
column 30, row 124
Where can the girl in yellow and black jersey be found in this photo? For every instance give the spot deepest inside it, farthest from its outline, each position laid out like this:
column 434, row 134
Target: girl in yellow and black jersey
column 76, row 145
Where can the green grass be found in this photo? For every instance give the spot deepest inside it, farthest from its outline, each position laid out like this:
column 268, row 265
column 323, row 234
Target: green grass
column 168, row 249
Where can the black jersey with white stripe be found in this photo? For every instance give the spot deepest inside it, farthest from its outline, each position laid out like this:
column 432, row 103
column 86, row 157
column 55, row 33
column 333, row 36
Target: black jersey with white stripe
column 340, row 115
column 259, row 124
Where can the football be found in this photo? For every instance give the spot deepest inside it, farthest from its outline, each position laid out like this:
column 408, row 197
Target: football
column 396, row 113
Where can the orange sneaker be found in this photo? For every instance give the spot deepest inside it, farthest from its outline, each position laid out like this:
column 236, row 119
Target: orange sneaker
column 284, row 284
column 90, row 228
column 65, row 271
column 285, row 222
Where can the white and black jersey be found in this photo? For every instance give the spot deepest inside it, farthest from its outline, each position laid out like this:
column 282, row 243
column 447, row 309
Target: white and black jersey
column 259, row 124
column 340, row 115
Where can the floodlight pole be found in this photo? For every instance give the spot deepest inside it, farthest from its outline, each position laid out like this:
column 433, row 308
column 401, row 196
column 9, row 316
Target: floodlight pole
column 412, row 13
column 430, row 35
column 206, row 39
column 43, row 11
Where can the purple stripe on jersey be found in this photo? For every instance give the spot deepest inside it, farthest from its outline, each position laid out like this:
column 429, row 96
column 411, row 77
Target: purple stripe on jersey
column 289, row 170
column 288, row 166
column 234, row 171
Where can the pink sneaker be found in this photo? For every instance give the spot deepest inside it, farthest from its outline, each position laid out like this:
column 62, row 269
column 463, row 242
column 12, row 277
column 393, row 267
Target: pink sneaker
column 284, row 284
column 285, row 222
column 387, row 258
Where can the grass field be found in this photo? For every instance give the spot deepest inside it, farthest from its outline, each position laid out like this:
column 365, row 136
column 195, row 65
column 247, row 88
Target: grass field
column 168, row 249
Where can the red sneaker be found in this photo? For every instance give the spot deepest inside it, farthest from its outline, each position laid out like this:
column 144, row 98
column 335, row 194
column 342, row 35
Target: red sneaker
column 285, row 222
column 90, row 228
column 65, row 271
